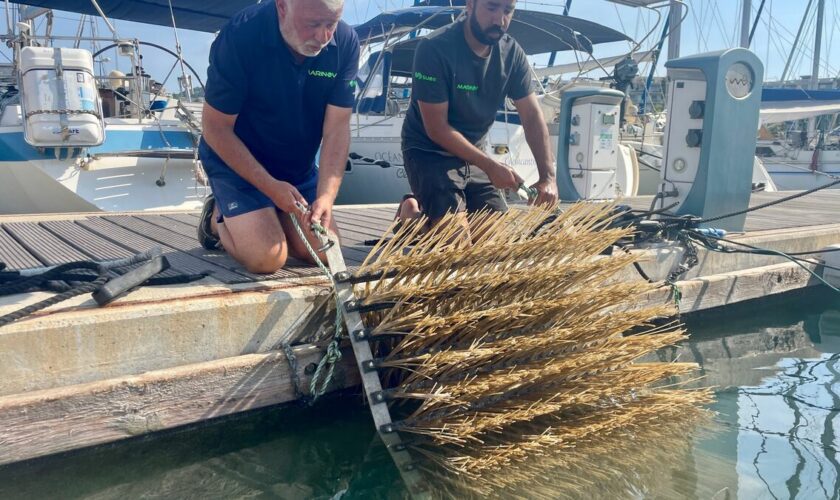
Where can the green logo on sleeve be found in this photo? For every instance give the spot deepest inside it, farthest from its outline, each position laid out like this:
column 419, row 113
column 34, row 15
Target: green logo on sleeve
column 426, row 78
column 322, row 74
column 467, row 88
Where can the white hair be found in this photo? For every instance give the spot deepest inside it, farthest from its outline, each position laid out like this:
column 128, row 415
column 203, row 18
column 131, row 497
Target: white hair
column 333, row 4
column 330, row 4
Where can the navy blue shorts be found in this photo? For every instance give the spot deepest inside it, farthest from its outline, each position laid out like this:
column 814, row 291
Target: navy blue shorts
column 236, row 196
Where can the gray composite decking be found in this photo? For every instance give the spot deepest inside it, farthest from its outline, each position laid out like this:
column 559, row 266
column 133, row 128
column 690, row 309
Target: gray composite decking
column 100, row 237
column 104, row 237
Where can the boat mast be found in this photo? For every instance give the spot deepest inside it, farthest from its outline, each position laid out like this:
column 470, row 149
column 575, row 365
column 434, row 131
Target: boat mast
column 675, row 16
column 815, row 71
column 9, row 32
column 184, row 81
column 796, row 40
column 746, row 13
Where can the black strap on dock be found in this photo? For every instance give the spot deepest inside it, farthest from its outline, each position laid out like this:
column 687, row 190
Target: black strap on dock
column 370, row 380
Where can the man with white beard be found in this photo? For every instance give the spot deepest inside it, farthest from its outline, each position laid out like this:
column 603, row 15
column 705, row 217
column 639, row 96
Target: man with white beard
column 281, row 84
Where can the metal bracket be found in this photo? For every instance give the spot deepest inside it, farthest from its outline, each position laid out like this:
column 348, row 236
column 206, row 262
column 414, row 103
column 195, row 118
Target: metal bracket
column 356, row 306
column 379, row 397
column 369, row 366
column 412, row 477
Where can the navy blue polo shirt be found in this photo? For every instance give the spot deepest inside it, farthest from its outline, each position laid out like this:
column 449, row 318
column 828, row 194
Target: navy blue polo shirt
column 280, row 104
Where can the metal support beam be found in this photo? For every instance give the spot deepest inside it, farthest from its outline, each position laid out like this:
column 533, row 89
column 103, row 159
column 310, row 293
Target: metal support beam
column 656, row 54
column 757, row 18
column 674, row 18
column 746, row 15
column 815, row 71
column 795, row 45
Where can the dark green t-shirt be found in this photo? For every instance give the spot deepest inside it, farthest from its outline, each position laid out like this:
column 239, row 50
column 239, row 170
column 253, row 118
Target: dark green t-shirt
column 447, row 70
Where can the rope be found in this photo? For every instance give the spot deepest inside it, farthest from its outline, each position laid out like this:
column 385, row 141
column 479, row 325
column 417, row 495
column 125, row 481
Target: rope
column 704, row 240
column 771, row 203
column 24, row 284
column 293, row 366
column 73, row 292
column 333, row 354
column 530, row 193
column 54, row 277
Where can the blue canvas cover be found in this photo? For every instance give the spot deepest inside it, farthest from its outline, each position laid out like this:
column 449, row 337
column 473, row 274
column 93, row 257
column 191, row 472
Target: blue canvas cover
column 199, row 15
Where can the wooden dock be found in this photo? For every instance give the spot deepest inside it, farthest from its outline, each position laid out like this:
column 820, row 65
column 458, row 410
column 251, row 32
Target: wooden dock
column 76, row 375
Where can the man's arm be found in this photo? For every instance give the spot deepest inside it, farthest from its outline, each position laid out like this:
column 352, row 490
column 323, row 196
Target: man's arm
column 217, row 130
column 536, row 133
column 436, row 123
column 334, row 151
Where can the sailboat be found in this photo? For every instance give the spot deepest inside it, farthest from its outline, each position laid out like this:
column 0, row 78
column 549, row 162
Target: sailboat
column 143, row 156
column 375, row 172
column 801, row 156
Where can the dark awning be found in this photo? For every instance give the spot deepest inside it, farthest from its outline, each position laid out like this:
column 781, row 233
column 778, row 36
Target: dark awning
column 537, row 32
column 199, row 15
column 397, row 22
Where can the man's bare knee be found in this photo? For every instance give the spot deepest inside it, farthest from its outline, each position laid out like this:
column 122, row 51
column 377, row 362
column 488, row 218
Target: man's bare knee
column 265, row 262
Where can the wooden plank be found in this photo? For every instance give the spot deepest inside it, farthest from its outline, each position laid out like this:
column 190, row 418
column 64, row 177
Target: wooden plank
column 364, row 214
column 355, row 254
column 731, row 288
column 191, row 247
column 90, row 243
column 39, row 423
column 137, row 243
column 299, row 268
column 94, row 244
column 182, row 228
column 14, row 255
column 349, row 237
column 44, row 245
column 384, row 214
column 190, row 218
column 364, row 227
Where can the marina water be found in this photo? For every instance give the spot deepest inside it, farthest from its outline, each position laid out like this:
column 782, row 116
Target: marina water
column 775, row 367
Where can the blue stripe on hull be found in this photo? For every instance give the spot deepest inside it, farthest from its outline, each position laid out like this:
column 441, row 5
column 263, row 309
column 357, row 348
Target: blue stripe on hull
column 14, row 148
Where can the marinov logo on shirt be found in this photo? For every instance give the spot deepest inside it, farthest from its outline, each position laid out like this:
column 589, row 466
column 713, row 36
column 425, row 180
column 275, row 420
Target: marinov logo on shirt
column 467, row 87
column 322, row 74
column 426, row 78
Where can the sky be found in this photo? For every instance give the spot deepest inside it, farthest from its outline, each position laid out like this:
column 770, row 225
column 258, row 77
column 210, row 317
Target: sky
column 709, row 25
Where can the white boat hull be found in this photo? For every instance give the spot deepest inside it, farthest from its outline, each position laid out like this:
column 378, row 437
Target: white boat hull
column 378, row 138
column 50, row 181
column 791, row 168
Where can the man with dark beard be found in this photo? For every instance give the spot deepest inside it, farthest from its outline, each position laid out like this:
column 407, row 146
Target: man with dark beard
column 462, row 75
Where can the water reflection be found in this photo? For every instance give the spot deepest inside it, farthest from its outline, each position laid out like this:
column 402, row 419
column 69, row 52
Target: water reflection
column 778, row 401
column 776, row 371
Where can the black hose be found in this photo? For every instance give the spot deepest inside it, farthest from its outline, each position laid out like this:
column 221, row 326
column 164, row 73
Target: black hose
column 642, row 152
column 771, row 203
column 27, row 283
